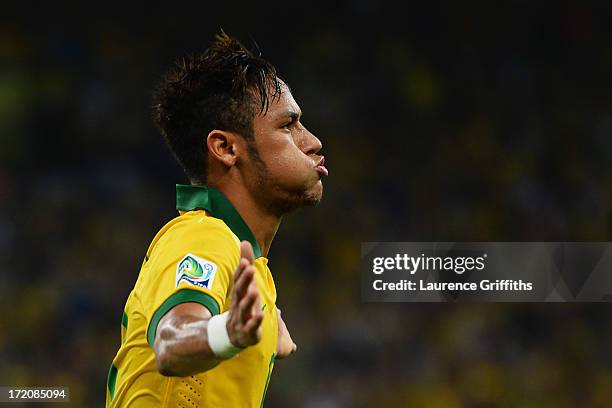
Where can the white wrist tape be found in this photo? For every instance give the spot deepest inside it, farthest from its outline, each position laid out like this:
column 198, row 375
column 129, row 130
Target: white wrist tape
column 218, row 338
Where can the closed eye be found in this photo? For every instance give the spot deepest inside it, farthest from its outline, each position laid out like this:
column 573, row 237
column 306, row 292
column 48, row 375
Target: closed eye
column 290, row 124
column 294, row 117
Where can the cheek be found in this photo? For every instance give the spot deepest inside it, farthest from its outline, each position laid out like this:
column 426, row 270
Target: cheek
column 292, row 162
column 288, row 162
column 282, row 151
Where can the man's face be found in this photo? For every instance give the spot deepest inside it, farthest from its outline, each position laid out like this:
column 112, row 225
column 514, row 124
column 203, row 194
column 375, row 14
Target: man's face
column 287, row 168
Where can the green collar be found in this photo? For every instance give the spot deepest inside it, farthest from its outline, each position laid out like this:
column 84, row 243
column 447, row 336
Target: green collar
column 190, row 197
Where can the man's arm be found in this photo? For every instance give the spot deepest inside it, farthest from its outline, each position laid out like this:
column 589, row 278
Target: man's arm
column 181, row 343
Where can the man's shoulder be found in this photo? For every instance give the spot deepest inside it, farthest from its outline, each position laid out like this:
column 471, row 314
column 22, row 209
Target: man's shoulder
column 197, row 228
column 195, row 234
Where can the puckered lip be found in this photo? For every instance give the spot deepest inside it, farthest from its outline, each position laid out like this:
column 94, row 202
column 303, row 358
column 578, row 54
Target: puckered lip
column 320, row 167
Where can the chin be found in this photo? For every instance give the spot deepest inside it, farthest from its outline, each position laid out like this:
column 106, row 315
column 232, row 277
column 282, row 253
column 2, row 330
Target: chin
column 314, row 195
column 291, row 201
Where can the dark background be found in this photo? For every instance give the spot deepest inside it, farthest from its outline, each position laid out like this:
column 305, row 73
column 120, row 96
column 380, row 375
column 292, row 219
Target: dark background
column 440, row 122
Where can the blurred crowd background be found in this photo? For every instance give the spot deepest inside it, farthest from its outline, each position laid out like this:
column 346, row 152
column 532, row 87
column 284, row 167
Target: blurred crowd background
column 441, row 122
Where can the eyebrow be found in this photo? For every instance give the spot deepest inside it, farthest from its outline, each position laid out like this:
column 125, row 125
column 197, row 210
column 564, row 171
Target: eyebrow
column 291, row 115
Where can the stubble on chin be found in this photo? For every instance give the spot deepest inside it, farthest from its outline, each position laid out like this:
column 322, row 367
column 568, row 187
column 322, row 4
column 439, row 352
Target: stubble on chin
column 311, row 198
column 282, row 202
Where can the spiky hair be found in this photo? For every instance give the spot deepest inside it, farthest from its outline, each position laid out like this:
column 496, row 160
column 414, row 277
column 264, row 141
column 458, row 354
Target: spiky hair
column 222, row 88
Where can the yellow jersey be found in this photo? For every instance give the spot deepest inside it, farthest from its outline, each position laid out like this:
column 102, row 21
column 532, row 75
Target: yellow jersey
column 193, row 259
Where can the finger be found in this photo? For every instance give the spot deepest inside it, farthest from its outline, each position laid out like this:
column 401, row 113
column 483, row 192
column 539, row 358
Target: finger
column 256, row 307
column 250, row 299
column 239, row 272
column 241, row 267
column 245, row 308
column 294, row 349
column 243, row 283
column 253, row 324
column 246, row 251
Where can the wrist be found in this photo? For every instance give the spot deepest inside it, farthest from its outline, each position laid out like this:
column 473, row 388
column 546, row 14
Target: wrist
column 218, row 337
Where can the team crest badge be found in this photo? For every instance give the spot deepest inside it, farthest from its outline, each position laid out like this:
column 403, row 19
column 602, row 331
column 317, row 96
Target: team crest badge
column 196, row 271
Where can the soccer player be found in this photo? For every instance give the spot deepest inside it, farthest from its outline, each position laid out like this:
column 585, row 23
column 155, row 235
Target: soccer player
column 201, row 327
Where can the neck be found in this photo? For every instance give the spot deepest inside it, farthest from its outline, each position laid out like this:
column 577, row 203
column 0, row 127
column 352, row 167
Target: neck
column 263, row 224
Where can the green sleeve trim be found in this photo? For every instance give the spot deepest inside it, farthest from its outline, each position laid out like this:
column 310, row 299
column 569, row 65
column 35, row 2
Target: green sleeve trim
column 112, row 379
column 124, row 320
column 182, row 296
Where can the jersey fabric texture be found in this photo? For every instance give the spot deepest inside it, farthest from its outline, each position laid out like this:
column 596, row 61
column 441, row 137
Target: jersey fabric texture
column 193, row 259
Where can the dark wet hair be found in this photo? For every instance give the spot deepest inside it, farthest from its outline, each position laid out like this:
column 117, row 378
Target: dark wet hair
column 222, row 88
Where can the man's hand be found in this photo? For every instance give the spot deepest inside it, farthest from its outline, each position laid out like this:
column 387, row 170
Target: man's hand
column 285, row 345
column 181, row 341
column 245, row 317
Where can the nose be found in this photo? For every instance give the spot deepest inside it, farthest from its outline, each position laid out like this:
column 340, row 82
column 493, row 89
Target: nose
column 312, row 144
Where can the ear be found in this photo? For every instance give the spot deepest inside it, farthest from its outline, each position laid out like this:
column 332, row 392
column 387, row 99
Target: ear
column 222, row 147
